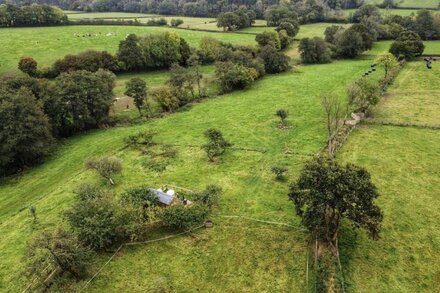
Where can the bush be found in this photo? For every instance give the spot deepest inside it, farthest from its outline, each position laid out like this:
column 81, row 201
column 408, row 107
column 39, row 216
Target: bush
column 210, row 197
column 140, row 196
column 314, row 50
column 274, row 61
column 28, row 65
column 209, row 50
column 180, row 217
column 269, row 38
column 283, row 115
column 291, row 28
column 363, row 93
column 157, row 22
column 106, row 167
column 234, row 76
column 176, row 22
column 166, row 97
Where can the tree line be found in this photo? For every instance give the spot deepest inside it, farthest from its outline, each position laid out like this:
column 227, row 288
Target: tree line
column 339, row 42
column 31, row 15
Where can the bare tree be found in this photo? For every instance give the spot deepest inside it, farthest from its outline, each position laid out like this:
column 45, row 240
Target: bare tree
column 333, row 111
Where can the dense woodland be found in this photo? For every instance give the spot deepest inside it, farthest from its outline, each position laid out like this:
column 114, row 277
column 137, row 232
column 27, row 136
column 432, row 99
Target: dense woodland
column 31, row 15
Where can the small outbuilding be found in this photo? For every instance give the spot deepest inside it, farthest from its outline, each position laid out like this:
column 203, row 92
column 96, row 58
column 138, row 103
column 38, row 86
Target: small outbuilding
column 168, row 197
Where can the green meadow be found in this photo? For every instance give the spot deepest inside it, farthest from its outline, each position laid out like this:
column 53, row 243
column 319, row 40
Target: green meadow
column 410, row 3
column 241, row 254
column 48, row 44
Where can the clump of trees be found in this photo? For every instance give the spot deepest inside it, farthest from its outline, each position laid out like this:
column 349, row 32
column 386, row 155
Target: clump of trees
column 31, row 15
column 25, row 132
column 363, row 93
column 238, row 19
column 314, row 50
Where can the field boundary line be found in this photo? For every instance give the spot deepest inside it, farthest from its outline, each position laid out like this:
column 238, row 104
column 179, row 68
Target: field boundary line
column 261, row 221
column 402, row 124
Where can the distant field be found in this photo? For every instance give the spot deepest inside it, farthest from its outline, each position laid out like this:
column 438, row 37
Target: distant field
column 410, row 3
column 414, row 97
column 315, row 29
column 50, row 43
column 384, row 12
column 188, row 22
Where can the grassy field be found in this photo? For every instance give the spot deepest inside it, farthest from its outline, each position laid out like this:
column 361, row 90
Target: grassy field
column 50, row 43
column 414, row 97
column 234, row 254
column 410, row 3
column 404, row 165
column 205, row 23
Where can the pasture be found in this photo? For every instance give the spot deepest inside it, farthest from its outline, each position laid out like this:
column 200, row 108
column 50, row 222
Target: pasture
column 48, row 44
column 233, row 251
column 386, row 12
column 410, row 3
column 404, row 165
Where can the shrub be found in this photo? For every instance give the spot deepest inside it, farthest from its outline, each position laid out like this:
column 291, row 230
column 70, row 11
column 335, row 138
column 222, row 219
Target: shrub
column 106, row 167
column 279, row 172
column 363, row 93
column 176, row 22
column 274, row 61
column 141, row 196
column 166, row 97
column 234, row 76
column 28, row 65
column 210, row 197
column 269, row 38
column 182, row 217
column 314, row 50
column 291, row 28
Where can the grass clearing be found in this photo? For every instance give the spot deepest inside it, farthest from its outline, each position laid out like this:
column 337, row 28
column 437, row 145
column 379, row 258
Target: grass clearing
column 247, row 119
column 47, row 44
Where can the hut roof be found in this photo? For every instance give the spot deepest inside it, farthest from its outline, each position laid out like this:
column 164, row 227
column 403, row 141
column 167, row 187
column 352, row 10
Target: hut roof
column 163, row 197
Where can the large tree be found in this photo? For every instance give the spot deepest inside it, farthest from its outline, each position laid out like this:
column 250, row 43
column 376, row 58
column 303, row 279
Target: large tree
column 314, row 50
column 25, row 132
column 408, row 45
column 130, row 53
column 326, row 193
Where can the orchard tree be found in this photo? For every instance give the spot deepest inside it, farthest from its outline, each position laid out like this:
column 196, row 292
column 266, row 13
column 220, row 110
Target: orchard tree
column 107, row 167
column 216, row 144
column 58, row 250
column 326, row 193
column 282, row 113
column 136, row 88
